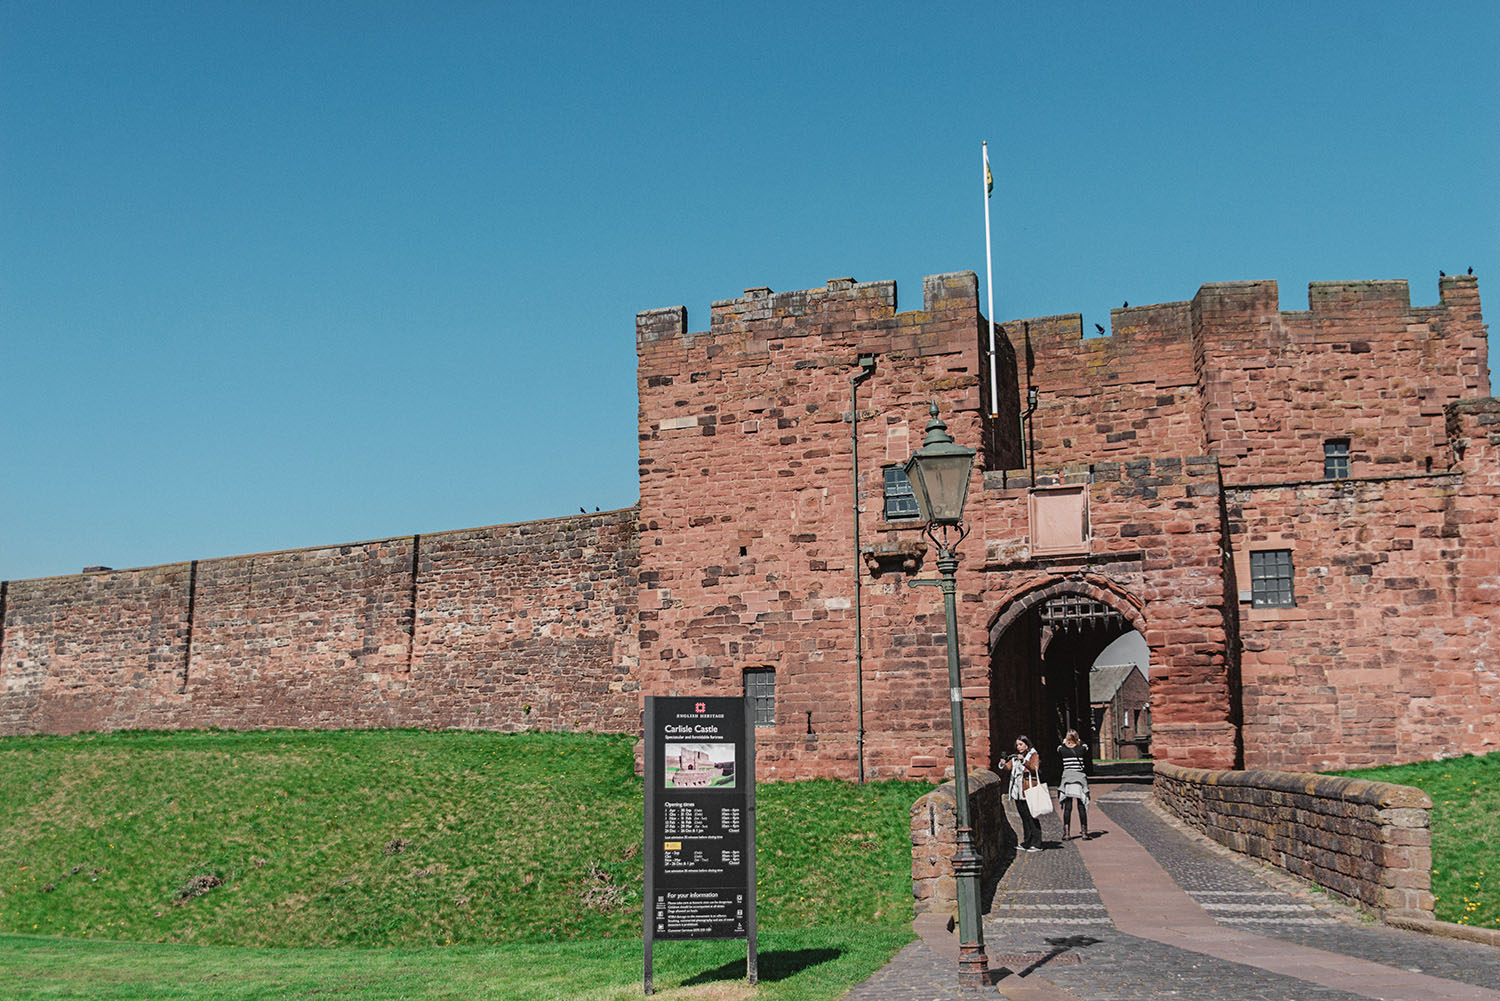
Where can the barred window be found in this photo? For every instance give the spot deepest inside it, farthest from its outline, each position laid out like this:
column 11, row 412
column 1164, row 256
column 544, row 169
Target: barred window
column 1336, row 459
column 1271, row 579
column 760, row 686
column 900, row 501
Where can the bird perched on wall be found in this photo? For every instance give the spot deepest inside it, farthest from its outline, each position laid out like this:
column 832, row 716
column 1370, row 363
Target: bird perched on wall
column 1471, row 270
column 582, row 511
column 1442, row 274
column 1125, row 304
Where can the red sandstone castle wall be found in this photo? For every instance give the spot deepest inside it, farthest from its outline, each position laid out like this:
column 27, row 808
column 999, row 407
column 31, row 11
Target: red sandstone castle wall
column 530, row 626
column 1391, row 574
column 1391, row 652
column 511, row 627
column 310, row 637
column 121, row 636
column 1106, row 399
column 747, row 545
column 748, row 533
column 1361, row 364
column 1155, row 549
column 742, row 554
column 1230, row 374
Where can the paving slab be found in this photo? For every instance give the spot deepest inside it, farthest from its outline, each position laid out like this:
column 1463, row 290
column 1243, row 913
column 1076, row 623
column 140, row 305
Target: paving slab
column 1148, row 910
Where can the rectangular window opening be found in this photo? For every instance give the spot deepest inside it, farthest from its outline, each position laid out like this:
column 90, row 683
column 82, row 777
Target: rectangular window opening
column 900, row 501
column 1271, row 579
column 760, row 686
column 1336, row 459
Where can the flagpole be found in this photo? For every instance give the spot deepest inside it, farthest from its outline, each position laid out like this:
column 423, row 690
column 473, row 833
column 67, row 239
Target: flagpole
column 989, row 279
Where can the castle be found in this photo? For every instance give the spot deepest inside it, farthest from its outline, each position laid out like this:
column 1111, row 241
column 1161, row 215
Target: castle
column 1296, row 510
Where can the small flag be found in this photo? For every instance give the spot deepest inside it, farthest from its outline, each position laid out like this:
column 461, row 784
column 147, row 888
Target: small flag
column 989, row 179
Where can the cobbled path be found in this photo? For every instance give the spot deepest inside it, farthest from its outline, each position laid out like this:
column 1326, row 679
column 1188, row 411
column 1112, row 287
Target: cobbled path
column 1050, row 936
column 1196, row 865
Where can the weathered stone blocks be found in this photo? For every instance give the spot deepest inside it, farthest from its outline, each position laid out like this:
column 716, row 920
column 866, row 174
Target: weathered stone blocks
column 514, row 627
column 934, row 839
column 1367, row 842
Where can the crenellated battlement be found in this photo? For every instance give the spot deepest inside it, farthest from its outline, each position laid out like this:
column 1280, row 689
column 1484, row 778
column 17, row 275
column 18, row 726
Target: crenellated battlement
column 1144, row 344
column 1256, row 298
column 795, row 311
column 1231, row 372
column 1340, row 298
column 1219, row 301
column 841, row 303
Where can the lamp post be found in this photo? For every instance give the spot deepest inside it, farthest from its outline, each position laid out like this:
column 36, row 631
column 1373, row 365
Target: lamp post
column 939, row 475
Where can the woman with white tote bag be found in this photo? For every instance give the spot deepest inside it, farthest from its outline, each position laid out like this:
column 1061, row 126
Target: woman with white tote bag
column 1029, row 792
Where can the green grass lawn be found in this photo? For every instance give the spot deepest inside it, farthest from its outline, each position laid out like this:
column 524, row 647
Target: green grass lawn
column 1465, row 796
column 795, row 965
column 405, row 864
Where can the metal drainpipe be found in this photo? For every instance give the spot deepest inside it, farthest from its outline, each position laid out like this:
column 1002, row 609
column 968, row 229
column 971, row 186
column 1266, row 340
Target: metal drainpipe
column 1027, row 432
column 866, row 369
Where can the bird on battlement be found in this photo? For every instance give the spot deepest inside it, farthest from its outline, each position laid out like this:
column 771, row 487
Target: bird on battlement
column 1471, row 270
column 1442, row 274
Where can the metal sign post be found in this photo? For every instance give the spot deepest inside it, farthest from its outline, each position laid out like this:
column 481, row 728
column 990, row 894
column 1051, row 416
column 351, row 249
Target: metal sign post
column 700, row 823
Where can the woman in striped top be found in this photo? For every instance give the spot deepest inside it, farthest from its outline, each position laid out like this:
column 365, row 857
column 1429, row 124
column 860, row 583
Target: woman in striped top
column 1074, row 784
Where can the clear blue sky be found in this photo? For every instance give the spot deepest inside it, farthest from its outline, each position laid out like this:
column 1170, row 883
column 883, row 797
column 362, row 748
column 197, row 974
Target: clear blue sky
column 287, row 274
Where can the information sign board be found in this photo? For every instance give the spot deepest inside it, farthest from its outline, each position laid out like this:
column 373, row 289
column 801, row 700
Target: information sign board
column 700, row 822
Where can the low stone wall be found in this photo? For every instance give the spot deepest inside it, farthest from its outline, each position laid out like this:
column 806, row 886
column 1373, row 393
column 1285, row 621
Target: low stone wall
column 934, row 839
column 1368, row 842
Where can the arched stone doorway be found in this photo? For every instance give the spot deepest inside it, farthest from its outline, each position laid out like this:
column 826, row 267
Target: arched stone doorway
column 1043, row 640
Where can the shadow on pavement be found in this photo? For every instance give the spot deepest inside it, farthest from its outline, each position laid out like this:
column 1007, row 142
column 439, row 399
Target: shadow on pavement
column 1063, row 951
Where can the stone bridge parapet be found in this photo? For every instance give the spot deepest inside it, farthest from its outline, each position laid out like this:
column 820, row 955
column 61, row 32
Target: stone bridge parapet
column 1367, row 842
column 934, row 839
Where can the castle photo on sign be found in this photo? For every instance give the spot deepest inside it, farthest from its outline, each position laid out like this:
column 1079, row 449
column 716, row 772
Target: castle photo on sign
column 699, row 766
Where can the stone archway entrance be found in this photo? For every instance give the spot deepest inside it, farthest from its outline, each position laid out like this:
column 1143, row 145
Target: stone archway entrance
column 1043, row 641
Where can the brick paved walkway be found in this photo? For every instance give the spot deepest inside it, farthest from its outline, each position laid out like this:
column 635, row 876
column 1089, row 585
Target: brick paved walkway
column 1146, row 910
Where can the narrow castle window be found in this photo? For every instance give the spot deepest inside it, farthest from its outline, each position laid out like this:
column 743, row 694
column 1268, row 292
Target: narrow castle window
column 1271, row 579
column 1336, row 459
column 760, row 686
column 900, row 502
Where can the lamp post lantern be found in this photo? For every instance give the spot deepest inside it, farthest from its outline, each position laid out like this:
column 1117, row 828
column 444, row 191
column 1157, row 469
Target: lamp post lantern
column 939, row 474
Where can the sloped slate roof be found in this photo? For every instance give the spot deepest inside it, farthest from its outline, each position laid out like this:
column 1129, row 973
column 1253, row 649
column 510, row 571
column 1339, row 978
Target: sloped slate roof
column 1104, row 682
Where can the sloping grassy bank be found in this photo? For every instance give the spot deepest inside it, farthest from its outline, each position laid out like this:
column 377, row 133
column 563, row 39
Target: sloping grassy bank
column 1465, row 796
column 404, row 840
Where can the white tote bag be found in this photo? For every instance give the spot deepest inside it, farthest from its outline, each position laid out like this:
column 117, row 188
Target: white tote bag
column 1038, row 800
